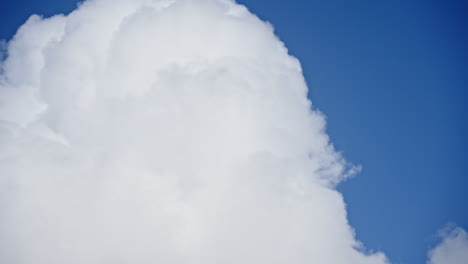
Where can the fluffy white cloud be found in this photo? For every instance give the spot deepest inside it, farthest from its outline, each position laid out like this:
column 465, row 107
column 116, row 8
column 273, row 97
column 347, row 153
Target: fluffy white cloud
column 452, row 250
column 153, row 131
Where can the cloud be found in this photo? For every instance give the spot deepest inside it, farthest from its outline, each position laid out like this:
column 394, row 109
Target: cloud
column 453, row 249
column 138, row 131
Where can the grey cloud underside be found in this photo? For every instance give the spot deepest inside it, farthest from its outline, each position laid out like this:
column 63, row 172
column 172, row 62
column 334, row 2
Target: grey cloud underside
column 164, row 132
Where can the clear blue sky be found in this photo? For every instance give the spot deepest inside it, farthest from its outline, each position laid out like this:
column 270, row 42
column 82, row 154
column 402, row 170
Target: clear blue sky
column 392, row 77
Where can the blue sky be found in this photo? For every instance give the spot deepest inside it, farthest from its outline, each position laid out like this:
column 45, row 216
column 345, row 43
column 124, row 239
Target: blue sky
column 391, row 76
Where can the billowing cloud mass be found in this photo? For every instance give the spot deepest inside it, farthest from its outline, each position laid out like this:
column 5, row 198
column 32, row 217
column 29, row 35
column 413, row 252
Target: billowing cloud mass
column 154, row 131
column 452, row 250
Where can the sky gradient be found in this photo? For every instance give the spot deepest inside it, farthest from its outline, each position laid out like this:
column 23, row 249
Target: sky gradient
column 391, row 76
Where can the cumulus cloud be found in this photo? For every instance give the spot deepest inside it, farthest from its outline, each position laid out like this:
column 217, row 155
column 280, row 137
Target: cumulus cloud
column 164, row 131
column 453, row 249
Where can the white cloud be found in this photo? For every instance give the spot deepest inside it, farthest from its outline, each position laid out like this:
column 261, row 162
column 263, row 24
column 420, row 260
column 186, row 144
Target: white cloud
column 138, row 131
column 453, row 249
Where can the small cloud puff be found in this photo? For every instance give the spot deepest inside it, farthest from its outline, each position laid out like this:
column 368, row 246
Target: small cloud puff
column 453, row 249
